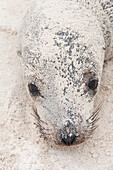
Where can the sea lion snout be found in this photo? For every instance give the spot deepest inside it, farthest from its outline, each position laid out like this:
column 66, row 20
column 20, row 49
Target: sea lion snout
column 68, row 133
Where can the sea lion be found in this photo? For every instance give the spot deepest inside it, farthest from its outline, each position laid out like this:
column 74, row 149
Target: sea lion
column 62, row 47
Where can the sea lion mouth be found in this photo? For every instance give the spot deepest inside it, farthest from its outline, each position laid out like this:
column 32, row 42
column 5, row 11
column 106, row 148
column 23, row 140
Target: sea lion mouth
column 69, row 134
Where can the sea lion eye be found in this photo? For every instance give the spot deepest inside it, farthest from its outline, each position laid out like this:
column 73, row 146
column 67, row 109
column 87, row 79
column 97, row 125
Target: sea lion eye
column 93, row 84
column 33, row 89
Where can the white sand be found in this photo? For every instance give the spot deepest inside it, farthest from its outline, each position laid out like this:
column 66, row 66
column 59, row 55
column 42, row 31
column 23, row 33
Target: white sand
column 20, row 145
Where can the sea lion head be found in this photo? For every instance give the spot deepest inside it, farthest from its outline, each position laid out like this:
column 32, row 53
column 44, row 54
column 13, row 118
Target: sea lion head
column 62, row 56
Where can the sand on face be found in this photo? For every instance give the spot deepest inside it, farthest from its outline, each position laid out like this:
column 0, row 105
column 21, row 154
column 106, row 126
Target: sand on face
column 20, row 145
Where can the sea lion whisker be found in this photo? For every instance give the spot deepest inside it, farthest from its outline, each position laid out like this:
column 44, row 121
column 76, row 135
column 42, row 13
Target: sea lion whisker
column 35, row 111
column 94, row 122
column 42, row 128
column 92, row 130
column 37, row 116
column 99, row 105
column 95, row 117
column 39, row 126
column 44, row 133
column 93, row 127
column 95, row 112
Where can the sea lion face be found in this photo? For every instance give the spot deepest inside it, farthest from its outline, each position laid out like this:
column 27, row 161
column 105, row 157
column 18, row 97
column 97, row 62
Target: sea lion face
column 62, row 68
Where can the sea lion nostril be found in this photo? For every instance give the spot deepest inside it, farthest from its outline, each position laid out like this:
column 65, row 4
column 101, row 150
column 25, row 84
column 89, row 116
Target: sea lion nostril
column 68, row 140
column 67, row 133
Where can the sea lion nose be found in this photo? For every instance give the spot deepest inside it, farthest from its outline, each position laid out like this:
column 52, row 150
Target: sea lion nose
column 68, row 133
column 68, row 140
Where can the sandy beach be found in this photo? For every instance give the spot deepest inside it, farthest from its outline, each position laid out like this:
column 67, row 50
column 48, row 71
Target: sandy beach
column 20, row 145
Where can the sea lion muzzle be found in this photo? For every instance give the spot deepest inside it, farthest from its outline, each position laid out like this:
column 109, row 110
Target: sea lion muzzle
column 68, row 133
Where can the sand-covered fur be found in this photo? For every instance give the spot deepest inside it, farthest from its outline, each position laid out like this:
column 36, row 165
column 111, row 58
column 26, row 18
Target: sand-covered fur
column 20, row 145
column 62, row 46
